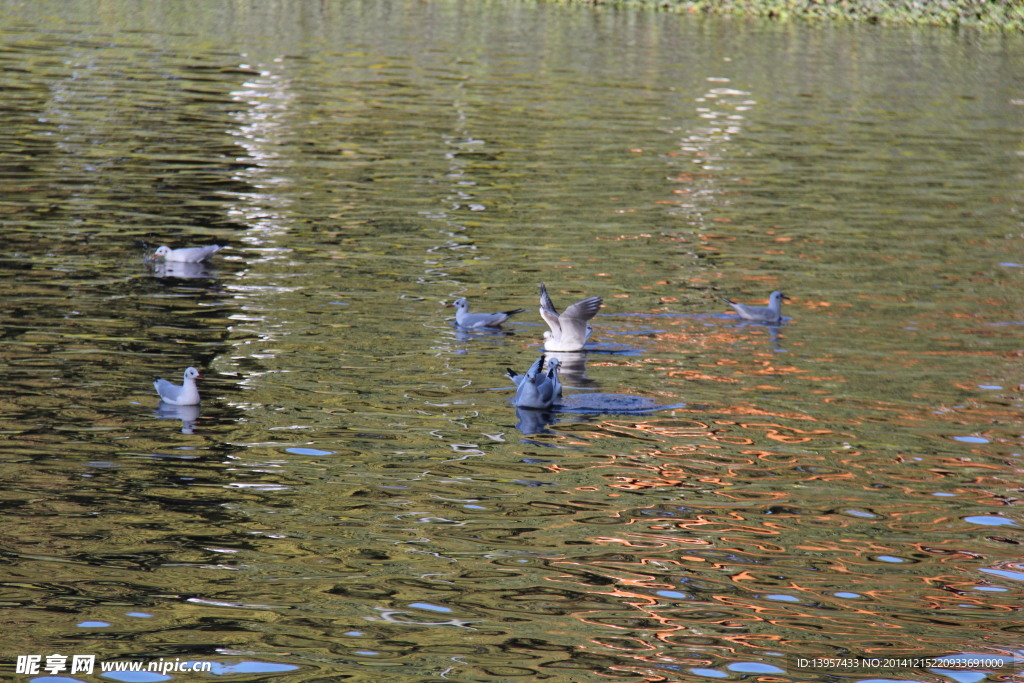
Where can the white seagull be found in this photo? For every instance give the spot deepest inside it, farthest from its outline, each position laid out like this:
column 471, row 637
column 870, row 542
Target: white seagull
column 467, row 320
column 535, row 389
column 570, row 330
column 551, row 376
column 187, row 254
column 771, row 314
column 185, row 395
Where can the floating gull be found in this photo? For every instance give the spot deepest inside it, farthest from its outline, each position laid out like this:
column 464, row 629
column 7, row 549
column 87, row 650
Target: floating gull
column 185, row 395
column 570, row 330
column 187, row 254
column 534, row 389
column 467, row 320
column 771, row 314
column 554, row 365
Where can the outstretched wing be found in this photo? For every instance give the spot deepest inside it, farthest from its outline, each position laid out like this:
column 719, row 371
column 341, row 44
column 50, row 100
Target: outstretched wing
column 548, row 312
column 574, row 319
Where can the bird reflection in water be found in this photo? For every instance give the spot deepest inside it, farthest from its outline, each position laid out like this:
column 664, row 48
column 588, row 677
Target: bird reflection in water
column 181, row 269
column 572, row 369
column 187, row 414
column 531, row 421
column 774, row 332
column 463, row 334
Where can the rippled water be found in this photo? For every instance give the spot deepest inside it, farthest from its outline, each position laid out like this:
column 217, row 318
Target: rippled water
column 356, row 497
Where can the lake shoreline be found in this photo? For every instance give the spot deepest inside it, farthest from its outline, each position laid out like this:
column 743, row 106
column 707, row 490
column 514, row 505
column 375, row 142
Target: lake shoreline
column 957, row 13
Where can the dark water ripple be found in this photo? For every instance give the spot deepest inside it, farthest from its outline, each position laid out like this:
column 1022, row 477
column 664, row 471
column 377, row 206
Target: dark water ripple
column 356, row 497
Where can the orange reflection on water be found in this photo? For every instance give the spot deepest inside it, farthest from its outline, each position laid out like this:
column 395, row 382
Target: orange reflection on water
column 778, row 432
column 787, row 611
column 633, row 484
column 733, row 440
column 674, row 451
column 947, row 553
column 694, row 375
column 748, row 496
column 768, row 368
column 822, row 304
column 838, row 547
column 673, row 428
column 718, row 528
column 623, row 643
column 771, row 430
column 775, row 458
column 650, row 542
column 954, row 602
column 762, row 412
column 967, row 463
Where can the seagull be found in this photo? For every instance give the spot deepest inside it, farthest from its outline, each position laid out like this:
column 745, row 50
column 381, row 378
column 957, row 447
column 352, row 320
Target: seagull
column 535, row 389
column 185, row 395
column 465, row 319
column 551, row 376
column 570, row 330
column 187, row 254
column 772, row 314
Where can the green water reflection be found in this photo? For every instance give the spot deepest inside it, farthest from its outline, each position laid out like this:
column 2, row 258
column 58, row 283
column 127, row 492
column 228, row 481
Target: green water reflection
column 356, row 495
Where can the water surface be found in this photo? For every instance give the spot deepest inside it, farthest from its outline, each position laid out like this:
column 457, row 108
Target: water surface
column 356, row 496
